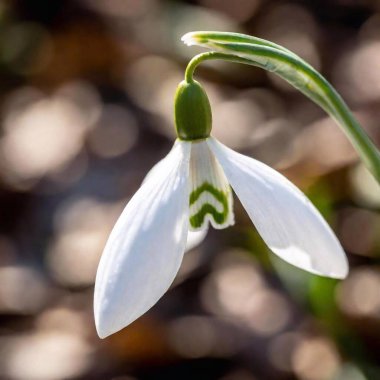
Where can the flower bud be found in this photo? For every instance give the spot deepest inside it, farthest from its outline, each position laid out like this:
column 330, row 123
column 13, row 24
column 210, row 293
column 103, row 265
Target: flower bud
column 192, row 112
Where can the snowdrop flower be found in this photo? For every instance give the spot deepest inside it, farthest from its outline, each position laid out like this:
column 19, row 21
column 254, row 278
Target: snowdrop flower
column 189, row 190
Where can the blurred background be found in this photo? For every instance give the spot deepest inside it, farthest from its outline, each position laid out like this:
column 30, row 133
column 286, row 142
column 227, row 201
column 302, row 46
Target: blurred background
column 86, row 105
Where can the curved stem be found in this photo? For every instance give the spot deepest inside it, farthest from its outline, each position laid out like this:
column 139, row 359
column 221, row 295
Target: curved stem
column 307, row 80
column 195, row 61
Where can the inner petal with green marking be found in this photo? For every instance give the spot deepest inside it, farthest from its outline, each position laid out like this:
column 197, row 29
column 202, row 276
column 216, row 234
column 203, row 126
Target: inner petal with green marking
column 210, row 195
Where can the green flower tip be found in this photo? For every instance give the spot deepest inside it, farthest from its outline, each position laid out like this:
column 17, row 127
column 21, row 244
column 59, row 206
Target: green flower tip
column 192, row 111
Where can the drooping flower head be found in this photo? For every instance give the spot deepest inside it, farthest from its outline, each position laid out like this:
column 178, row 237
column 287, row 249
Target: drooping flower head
column 186, row 192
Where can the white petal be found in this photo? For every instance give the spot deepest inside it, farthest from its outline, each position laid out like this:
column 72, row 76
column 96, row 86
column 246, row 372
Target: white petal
column 210, row 194
column 146, row 246
column 195, row 238
column 157, row 166
column 287, row 221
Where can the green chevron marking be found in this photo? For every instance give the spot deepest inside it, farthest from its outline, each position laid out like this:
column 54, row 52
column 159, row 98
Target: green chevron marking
column 197, row 219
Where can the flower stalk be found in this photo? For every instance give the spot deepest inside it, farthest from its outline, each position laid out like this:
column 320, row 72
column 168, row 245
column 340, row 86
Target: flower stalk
column 249, row 50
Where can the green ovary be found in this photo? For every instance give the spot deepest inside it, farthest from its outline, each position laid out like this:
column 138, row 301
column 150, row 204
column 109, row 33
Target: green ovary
column 197, row 220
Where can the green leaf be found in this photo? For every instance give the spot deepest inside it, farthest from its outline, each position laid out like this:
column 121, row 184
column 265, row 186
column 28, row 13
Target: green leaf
column 279, row 60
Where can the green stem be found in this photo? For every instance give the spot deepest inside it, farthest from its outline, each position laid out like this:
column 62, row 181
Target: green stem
column 307, row 80
column 211, row 55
